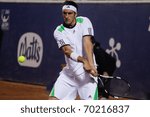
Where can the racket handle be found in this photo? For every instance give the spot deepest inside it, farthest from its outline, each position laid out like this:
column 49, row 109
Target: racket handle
column 94, row 77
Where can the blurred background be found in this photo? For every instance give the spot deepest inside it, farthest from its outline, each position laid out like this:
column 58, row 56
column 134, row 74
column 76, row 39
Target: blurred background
column 26, row 28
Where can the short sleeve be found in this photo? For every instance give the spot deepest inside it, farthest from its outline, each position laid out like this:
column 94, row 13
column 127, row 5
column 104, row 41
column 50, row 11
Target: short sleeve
column 59, row 37
column 87, row 27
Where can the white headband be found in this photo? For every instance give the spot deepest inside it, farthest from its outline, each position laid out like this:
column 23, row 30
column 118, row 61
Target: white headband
column 70, row 7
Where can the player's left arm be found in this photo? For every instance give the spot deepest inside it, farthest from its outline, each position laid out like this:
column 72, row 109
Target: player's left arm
column 88, row 48
column 88, row 33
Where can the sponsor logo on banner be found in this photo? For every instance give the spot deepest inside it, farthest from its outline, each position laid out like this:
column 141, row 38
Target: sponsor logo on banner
column 30, row 45
column 113, row 51
column 5, row 17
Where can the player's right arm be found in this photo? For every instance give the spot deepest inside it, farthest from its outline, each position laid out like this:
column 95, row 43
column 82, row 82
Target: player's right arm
column 68, row 52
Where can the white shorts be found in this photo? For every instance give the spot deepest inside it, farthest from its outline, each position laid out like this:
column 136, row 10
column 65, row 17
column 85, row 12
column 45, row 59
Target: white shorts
column 68, row 86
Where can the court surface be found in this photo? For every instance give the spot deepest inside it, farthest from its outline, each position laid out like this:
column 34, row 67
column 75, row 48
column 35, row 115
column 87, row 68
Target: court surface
column 23, row 91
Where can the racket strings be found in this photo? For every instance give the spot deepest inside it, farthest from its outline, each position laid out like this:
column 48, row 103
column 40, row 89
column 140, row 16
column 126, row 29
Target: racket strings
column 115, row 86
column 118, row 87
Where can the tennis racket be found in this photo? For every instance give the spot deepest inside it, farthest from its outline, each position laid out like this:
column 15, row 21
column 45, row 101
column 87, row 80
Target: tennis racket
column 115, row 86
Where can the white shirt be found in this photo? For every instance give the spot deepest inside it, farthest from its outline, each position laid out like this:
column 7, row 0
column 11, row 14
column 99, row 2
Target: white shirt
column 74, row 38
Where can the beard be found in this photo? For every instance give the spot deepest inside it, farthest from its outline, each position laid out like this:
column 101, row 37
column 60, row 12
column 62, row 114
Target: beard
column 68, row 23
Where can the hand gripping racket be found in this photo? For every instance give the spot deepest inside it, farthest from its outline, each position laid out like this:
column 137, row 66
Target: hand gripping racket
column 115, row 86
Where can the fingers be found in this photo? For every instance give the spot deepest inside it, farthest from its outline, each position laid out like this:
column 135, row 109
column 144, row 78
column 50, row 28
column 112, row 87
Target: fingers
column 93, row 72
column 90, row 69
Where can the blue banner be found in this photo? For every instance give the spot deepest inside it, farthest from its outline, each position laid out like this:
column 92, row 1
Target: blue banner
column 27, row 29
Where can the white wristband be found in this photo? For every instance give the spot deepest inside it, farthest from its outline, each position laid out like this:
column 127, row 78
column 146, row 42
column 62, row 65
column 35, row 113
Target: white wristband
column 74, row 56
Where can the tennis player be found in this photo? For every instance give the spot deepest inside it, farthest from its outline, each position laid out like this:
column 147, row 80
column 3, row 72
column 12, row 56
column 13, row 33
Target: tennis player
column 74, row 39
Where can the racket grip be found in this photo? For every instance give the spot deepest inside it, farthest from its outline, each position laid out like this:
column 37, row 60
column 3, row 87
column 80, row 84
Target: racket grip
column 94, row 77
